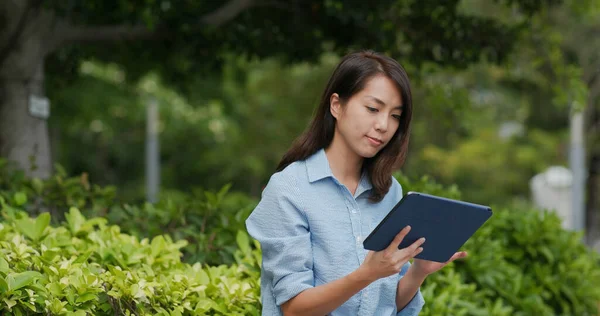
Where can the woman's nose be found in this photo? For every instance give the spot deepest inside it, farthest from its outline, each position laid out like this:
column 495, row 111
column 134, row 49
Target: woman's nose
column 381, row 124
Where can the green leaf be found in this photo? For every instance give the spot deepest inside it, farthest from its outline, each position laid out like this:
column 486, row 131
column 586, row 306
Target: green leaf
column 86, row 297
column 20, row 198
column 3, row 285
column 19, row 280
column 74, row 220
column 70, row 294
column 220, row 307
column 41, row 222
column 223, row 191
column 203, row 305
column 204, row 279
column 10, row 303
column 55, row 288
column 28, row 305
column 243, row 241
column 157, row 245
column 31, row 228
column 84, row 256
column 547, row 253
column 4, row 265
column 175, row 312
column 38, row 185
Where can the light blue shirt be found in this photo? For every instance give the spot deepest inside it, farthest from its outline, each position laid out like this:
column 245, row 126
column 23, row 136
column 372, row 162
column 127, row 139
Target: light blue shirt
column 311, row 232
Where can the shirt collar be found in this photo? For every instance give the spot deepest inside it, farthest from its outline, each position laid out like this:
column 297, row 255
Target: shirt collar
column 317, row 167
column 364, row 184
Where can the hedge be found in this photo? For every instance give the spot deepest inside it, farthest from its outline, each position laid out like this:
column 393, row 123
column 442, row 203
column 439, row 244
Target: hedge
column 84, row 259
column 208, row 220
column 86, row 267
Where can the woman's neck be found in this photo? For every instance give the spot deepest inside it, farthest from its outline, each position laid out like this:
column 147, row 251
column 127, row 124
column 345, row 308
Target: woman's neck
column 345, row 164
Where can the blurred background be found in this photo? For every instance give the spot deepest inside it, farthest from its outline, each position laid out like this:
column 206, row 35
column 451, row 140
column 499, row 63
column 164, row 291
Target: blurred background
column 157, row 100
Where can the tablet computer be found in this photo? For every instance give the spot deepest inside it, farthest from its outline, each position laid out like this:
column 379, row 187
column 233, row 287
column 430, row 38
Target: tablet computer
column 446, row 225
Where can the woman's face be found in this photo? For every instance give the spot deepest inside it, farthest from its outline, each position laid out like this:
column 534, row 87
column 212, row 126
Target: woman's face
column 369, row 119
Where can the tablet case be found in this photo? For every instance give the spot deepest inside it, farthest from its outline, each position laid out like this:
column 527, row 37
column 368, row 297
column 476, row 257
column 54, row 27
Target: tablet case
column 446, row 225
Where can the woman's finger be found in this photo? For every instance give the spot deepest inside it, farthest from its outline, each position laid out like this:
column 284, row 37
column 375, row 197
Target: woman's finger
column 458, row 255
column 415, row 245
column 398, row 239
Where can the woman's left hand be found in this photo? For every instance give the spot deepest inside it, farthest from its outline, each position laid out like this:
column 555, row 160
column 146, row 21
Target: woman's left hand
column 426, row 267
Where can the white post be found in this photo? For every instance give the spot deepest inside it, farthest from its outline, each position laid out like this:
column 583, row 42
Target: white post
column 152, row 152
column 577, row 166
column 552, row 190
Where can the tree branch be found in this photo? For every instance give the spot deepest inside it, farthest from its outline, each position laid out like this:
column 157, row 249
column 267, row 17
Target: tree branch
column 110, row 33
column 19, row 28
column 70, row 34
column 594, row 89
column 226, row 13
column 592, row 75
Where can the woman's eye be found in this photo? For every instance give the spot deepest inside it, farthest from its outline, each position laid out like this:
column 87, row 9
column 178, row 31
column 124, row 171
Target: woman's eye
column 371, row 109
column 397, row 117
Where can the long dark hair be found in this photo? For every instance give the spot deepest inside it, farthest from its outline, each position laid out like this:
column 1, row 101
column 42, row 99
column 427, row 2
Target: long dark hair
column 348, row 78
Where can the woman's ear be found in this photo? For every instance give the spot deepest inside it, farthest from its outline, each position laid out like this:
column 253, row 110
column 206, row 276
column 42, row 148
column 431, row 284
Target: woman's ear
column 335, row 105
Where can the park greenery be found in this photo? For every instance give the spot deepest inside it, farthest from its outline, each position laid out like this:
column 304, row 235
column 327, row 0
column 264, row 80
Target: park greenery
column 494, row 84
column 43, row 43
column 485, row 121
column 521, row 262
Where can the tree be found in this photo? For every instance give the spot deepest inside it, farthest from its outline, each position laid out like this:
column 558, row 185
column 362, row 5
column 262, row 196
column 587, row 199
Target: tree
column 557, row 66
column 578, row 65
column 176, row 39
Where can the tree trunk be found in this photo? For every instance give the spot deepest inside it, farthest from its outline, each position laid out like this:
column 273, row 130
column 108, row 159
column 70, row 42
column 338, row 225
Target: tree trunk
column 593, row 180
column 24, row 44
column 592, row 114
column 28, row 33
column 23, row 137
column 593, row 207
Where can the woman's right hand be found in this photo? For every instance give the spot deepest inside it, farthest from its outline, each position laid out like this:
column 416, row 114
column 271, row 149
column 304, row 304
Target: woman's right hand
column 390, row 261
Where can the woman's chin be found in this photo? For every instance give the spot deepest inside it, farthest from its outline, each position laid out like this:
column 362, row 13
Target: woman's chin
column 368, row 153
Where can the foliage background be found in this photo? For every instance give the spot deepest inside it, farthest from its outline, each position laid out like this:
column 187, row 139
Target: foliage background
column 483, row 123
column 521, row 261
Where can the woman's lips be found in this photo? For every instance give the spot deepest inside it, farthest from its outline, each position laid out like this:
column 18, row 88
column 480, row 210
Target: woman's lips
column 374, row 141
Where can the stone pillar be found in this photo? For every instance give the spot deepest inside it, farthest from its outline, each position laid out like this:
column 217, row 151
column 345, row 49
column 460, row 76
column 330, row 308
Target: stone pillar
column 552, row 190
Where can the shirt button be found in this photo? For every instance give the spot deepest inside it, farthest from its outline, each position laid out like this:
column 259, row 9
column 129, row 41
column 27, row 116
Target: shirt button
column 358, row 239
column 354, row 211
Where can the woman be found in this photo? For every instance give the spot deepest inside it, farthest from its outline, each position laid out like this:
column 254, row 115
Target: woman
column 331, row 189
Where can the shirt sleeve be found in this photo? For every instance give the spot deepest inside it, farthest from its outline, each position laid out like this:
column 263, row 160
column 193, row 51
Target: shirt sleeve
column 281, row 228
column 415, row 305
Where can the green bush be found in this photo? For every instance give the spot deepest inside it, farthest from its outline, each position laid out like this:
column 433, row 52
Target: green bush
column 527, row 259
column 208, row 220
column 86, row 267
column 56, row 194
column 521, row 262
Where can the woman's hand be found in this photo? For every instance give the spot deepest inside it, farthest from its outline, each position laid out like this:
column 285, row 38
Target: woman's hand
column 389, row 261
column 426, row 267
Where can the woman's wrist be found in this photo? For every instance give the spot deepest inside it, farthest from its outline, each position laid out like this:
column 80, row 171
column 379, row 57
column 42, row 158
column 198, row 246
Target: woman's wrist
column 415, row 274
column 362, row 276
